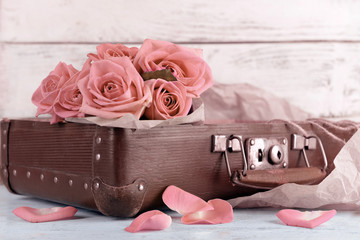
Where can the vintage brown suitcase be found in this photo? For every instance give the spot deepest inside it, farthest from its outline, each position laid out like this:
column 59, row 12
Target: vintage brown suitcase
column 122, row 172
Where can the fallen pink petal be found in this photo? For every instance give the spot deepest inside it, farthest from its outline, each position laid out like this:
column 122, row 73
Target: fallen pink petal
column 183, row 202
column 305, row 219
column 222, row 213
column 151, row 220
column 35, row 215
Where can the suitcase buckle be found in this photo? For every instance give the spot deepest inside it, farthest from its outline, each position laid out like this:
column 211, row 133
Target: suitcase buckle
column 299, row 142
column 259, row 153
column 234, row 143
column 276, row 152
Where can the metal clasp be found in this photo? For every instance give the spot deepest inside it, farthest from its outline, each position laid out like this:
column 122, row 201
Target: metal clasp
column 265, row 153
column 308, row 143
column 234, row 143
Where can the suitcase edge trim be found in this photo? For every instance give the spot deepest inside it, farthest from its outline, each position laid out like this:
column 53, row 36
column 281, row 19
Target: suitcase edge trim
column 124, row 201
column 5, row 128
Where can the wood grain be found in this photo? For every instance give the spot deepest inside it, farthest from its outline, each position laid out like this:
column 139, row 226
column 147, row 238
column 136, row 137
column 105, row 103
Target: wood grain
column 305, row 51
column 205, row 21
column 322, row 78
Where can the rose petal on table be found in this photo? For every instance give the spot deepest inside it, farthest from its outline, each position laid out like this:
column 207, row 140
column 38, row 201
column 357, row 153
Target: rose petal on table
column 222, row 213
column 151, row 220
column 36, row 215
column 308, row 219
column 183, row 202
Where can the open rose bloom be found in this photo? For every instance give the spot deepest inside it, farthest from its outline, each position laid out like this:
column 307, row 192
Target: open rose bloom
column 108, row 50
column 169, row 100
column 70, row 98
column 46, row 95
column 114, row 88
column 186, row 65
column 119, row 80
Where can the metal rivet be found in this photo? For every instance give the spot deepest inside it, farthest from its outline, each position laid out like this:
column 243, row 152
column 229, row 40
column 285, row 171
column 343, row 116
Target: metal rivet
column 42, row 177
column 141, row 187
column 97, row 157
column 4, row 132
column 252, row 142
column 96, row 186
column 56, row 180
column 86, row 186
column 28, row 174
column 98, row 140
column 284, row 141
column 252, row 167
column 5, row 172
column 284, row 164
column 14, row 172
column 4, row 146
column 70, row 182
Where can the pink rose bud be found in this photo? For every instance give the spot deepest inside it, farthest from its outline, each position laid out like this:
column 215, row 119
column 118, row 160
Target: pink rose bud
column 113, row 88
column 46, row 94
column 108, row 50
column 169, row 100
column 186, row 65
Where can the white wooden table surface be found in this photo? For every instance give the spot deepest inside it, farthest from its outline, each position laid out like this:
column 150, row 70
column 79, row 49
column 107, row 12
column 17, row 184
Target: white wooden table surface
column 305, row 51
column 247, row 224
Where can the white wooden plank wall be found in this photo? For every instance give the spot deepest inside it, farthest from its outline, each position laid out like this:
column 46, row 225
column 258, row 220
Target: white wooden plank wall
column 303, row 50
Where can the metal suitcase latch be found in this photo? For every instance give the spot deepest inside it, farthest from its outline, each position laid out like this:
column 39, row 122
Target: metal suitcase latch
column 267, row 153
column 269, row 157
column 221, row 143
column 302, row 143
column 258, row 153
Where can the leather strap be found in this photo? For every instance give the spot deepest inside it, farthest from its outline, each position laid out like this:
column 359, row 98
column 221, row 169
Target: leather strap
column 267, row 179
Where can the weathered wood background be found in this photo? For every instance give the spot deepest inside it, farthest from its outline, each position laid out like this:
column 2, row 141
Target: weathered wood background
column 305, row 51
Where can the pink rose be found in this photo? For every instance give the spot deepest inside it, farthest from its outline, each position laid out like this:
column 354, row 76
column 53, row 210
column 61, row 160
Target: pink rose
column 108, row 50
column 113, row 88
column 169, row 100
column 186, row 65
column 70, row 98
column 46, row 94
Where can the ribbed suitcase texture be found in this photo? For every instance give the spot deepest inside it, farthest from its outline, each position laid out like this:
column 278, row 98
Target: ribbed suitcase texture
column 122, row 172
